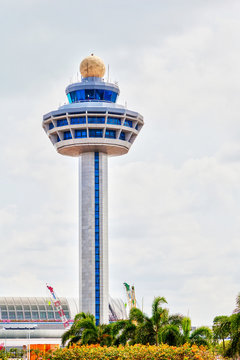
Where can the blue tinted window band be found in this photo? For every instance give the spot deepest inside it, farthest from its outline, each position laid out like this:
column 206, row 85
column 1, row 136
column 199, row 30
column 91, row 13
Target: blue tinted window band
column 97, row 247
column 62, row 122
column 92, row 95
column 128, row 123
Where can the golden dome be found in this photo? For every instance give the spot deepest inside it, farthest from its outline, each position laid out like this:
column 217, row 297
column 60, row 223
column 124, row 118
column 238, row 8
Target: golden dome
column 92, row 66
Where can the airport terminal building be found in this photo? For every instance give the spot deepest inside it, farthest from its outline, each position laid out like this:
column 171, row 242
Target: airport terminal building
column 35, row 320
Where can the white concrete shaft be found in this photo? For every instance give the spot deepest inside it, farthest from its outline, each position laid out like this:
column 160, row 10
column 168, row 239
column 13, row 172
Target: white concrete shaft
column 87, row 234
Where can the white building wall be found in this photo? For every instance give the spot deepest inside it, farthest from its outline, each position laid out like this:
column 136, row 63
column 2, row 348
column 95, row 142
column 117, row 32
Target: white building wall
column 86, row 230
column 87, row 234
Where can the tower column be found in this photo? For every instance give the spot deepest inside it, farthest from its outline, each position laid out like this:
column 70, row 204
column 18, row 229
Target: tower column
column 93, row 235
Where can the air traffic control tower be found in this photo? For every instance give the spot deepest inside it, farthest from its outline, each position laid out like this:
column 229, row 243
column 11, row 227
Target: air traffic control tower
column 92, row 127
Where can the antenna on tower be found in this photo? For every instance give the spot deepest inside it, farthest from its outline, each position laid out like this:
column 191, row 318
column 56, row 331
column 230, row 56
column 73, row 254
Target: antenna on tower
column 108, row 74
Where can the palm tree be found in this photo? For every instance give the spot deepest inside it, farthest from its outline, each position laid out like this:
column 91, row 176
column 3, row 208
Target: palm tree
column 221, row 329
column 148, row 328
column 171, row 335
column 85, row 331
column 237, row 310
column 234, row 348
column 74, row 334
column 199, row 336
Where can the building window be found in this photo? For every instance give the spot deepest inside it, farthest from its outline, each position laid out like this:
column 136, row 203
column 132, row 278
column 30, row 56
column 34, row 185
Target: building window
column 122, row 136
column 78, row 120
column 98, row 133
column 96, row 120
column 58, row 139
column 67, row 135
column 111, row 134
column 27, row 315
column 80, row 133
column 43, row 315
column 62, row 122
column 4, row 315
column 97, row 248
column 89, row 94
column 12, row 315
column 50, row 126
column 19, row 315
column 35, row 315
column 136, row 127
column 128, row 123
column 114, row 121
column 92, row 95
column 50, row 315
column 75, row 96
column 99, row 94
column 57, row 316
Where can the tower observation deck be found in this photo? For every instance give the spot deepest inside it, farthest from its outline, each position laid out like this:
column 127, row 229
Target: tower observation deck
column 92, row 127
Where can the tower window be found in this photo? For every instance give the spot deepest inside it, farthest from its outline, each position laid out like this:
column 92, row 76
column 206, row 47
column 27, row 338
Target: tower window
column 50, row 126
column 67, row 135
column 96, row 120
column 128, row 123
column 78, row 120
column 114, row 97
column 89, row 94
column 62, row 122
column 95, row 133
column 122, row 136
column 111, row 134
column 99, row 94
column 114, row 121
column 80, row 133
column 92, row 95
column 108, row 95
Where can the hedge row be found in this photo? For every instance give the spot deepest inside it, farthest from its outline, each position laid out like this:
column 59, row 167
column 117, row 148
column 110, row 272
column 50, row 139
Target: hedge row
column 136, row 352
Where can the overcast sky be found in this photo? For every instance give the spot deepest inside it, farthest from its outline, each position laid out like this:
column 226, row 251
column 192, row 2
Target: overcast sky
column 174, row 200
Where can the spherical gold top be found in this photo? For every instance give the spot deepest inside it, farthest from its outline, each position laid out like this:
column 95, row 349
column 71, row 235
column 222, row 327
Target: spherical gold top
column 92, row 66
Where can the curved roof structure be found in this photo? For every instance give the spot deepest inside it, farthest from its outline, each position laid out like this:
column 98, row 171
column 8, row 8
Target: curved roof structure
column 41, row 309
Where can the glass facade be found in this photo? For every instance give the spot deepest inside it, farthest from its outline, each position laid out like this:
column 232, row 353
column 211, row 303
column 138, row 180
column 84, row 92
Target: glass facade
column 67, row 135
column 96, row 120
column 128, row 123
column 38, row 310
column 92, row 95
column 62, row 122
column 114, row 121
column 78, row 120
column 95, row 133
column 122, row 136
column 97, row 240
column 110, row 134
column 81, row 133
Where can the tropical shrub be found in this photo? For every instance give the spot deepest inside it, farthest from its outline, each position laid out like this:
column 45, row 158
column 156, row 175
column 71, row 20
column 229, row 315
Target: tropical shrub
column 136, row 352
